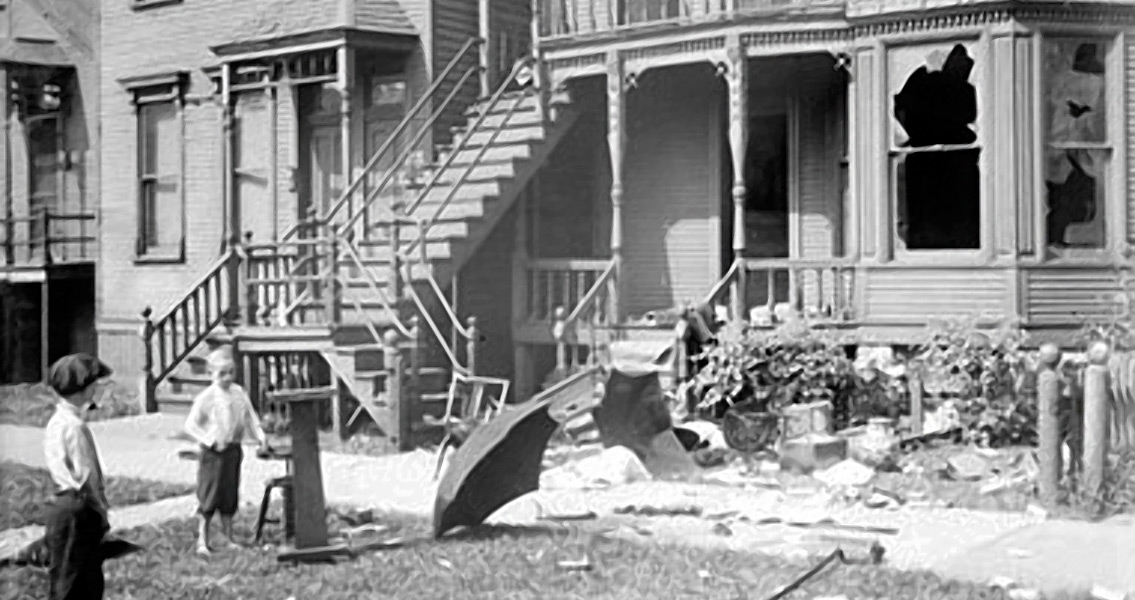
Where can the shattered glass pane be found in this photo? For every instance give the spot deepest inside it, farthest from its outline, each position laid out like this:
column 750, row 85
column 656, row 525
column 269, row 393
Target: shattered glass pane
column 936, row 178
column 1075, row 82
column 1076, row 197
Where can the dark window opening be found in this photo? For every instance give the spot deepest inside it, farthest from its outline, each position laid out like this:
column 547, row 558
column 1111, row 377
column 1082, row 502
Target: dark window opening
column 935, row 162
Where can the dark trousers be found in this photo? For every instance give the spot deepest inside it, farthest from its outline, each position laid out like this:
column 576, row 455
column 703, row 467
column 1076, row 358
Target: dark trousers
column 75, row 529
column 218, row 480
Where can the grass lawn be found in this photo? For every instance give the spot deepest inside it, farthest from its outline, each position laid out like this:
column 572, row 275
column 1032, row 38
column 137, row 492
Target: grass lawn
column 31, row 405
column 24, row 489
column 489, row 563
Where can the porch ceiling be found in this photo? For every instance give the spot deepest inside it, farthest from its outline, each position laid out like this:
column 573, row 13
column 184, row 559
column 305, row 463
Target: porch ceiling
column 284, row 23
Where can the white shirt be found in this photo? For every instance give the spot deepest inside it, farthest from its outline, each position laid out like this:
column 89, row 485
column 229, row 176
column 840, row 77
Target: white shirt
column 221, row 417
column 71, row 454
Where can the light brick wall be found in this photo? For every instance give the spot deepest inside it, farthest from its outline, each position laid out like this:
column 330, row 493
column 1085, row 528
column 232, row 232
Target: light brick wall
column 141, row 43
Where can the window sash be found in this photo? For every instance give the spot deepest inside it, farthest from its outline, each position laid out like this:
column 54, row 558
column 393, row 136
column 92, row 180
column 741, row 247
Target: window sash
column 1105, row 147
column 153, row 176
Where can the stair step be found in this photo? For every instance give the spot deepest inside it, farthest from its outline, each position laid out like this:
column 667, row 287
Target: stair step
column 468, row 190
column 456, row 209
column 434, row 249
column 511, row 133
column 441, row 230
column 495, row 154
column 532, row 102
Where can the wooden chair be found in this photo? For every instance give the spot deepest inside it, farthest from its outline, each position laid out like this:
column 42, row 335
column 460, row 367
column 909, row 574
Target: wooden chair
column 475, row 410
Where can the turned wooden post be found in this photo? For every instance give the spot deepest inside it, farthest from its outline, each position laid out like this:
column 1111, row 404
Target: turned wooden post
column 484, row 30
column 1048, row 404
column 332, row 306
column 558, row 333
column 471, row 344
column 1096, row 416
column 149, row 385
column 252, row 306
column 396, row 398
column 616, row 144
column 415, row 388
column 395, row 257
column 735, row 77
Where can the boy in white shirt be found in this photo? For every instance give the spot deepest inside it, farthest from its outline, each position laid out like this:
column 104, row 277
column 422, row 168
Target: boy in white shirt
column 220, row 416
column 77, row 515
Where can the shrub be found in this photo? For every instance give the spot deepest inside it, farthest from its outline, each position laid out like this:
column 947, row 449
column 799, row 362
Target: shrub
column 984, row 370
column 794, row 364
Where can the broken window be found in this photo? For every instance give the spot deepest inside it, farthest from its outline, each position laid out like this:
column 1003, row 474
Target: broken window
column 1077, row 151
column 935, row 146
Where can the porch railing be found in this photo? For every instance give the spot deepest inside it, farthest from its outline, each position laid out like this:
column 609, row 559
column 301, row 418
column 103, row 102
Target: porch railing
column 169, row 338
column 48, row 238
column 580, row 17
column 820, row 290
column 592, row 311
column 558, row 282
column 287, row 282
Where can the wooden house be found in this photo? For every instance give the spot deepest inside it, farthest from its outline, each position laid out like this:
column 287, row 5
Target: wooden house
column 49, row 180
column 530, row 183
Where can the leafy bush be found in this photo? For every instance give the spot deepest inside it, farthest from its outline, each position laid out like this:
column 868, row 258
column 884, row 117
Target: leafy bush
column 31, row 405
column 794, row 364
column 985, row 372
column 23, row 491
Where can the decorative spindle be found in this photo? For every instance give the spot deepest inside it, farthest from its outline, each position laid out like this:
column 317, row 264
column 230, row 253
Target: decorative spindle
column 1096, row 416
column 149, row 393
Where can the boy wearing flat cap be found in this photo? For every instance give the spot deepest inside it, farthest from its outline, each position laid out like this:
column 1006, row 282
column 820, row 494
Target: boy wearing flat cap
column 77, row 515
column 219, row 418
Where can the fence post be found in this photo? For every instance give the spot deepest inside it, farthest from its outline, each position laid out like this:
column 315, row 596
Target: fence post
column 471, row 344
column 1048, row 404
column 395, row 398
column 149, row 386
column 1096, row 411
column 558, row 333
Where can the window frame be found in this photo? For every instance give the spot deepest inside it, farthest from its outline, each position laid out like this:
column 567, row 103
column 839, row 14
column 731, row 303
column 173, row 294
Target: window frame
column 1112, row 179
column 980, row 39
column 151, row 91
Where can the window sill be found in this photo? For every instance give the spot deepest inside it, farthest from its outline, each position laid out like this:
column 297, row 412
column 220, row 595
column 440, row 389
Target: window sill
column 145, row 4
column 159, row 259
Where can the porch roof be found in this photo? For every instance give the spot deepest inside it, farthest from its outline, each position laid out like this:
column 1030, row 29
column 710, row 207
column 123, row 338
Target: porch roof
column 286, row 22
column 33, row 53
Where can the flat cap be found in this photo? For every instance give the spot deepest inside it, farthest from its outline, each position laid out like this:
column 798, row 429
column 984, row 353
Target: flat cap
column 74, row 372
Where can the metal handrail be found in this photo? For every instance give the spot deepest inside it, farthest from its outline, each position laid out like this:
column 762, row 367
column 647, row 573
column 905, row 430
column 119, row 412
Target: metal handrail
column 372, row 195
column 373, row 285
column 520, row 65
column 410, row 116
column 591, row 294
column 725, row 280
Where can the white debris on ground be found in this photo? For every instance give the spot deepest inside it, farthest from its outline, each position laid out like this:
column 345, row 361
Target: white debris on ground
column 616, row 465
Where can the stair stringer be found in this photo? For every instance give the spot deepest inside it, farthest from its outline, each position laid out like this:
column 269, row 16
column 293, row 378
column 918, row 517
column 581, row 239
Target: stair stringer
column 463, row 249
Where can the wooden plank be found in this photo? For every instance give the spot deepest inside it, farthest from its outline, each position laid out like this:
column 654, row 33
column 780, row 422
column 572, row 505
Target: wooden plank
column 310, row 509
column 305, row 395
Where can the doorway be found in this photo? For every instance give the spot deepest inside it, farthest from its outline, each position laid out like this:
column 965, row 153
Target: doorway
column 321, row 179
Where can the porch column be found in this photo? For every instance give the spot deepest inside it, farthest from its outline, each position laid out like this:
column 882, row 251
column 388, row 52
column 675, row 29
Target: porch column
column 273, row 148
column 6, row 164
column 737, row 82
column 616, row 143
column 345, row 82
column 232, row 236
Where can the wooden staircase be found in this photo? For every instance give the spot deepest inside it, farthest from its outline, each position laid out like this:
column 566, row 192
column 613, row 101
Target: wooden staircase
column 360, row 286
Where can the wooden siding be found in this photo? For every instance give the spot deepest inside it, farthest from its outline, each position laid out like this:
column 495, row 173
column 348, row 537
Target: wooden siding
column 572, row 207
column 454, row 22
column 1069, row 296
column 1129, row 63
column 913, row 295
column 671, row 217
column 484, row 292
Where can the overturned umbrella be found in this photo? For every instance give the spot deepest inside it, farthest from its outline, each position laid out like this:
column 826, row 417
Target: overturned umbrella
column 501, row 460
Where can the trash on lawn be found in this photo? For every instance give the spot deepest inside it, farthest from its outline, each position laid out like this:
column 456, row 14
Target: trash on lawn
column 846, row 473
column 583, row 564
column 967, row 466
column 1036, row 511
column 1002, row 582
column 670, row 510
column 613, row 466
column 722, row 529
column 582, row 516
column 1024, row 594
column 1100, row 592
column 696, row 435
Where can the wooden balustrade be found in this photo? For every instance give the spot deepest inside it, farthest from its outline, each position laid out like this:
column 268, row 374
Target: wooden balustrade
column 267, row 372
column 590, row 312
column 170, row 338
column 287, row 282
column 818, row 290
column 48, row 238
column 559, row 282
column 557, row 18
